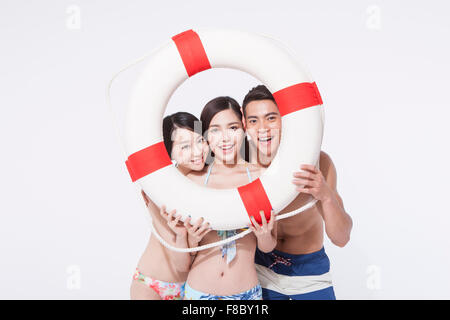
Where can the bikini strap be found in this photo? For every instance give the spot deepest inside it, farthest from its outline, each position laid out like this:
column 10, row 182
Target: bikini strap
column 248, row 174
column 208, row 173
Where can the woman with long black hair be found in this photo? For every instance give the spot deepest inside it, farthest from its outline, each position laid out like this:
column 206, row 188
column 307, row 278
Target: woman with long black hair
column 227, row 273
column 161, row 273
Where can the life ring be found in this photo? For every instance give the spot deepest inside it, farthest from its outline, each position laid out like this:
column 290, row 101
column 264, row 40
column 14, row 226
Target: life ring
column 183, row 56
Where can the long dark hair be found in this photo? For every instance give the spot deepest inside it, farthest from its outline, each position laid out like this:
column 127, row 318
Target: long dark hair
column 217, row 105
column 177, row 120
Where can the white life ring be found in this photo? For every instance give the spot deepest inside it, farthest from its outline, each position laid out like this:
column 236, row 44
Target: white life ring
column 186, row 54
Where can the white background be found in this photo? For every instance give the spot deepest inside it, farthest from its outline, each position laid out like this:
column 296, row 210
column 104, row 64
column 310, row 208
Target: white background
column 72, row 224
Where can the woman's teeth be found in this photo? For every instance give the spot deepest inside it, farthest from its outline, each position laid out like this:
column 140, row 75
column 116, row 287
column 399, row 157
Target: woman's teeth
column 226, row 149
column 265, row 139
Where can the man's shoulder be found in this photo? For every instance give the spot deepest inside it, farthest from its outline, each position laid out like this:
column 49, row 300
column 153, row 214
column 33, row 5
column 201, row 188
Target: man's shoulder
column 325, row 158
column 328, row 169
column 325, row 163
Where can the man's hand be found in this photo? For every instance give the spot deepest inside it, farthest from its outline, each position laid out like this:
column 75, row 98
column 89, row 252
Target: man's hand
column 314, row 183
column 338, row 224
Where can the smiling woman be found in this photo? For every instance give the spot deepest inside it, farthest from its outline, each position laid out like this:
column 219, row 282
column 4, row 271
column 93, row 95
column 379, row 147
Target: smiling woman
column 224, row 130
column 184, row 142
column 188, row 150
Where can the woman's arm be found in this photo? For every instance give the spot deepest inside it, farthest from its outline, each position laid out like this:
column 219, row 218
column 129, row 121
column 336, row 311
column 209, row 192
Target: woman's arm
column 181, row 260
column 196, row 232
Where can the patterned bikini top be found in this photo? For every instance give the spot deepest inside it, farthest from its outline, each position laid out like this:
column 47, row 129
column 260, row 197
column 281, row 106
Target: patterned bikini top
column 228, row 249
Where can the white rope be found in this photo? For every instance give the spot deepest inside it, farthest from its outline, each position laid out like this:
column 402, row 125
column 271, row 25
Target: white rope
column 204, row 247
column 108, row 96
column 295, row 54
column 222, row 242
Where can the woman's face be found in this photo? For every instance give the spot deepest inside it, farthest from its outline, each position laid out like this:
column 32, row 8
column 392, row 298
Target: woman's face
column 189, row 149
column 225, row 136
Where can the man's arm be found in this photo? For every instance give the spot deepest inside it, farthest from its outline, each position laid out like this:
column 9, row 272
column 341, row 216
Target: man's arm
column 321, row 184
column 338, row 224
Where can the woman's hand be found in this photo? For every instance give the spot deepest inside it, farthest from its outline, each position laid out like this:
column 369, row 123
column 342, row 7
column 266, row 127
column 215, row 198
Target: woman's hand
column 197, row 231
column 267, row 233
column 173, row 222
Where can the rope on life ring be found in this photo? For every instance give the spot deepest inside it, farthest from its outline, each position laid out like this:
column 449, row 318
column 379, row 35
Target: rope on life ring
column 225, row 241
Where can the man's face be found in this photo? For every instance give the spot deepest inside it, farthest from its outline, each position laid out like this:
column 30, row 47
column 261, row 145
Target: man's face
column 263, row 123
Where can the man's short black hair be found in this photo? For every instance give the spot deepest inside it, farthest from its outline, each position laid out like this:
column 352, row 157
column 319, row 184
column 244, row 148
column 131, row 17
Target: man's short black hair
column 257, row 93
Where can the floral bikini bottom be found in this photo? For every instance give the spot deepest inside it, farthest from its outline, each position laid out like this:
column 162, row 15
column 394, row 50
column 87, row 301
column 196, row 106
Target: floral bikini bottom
column 166, row 290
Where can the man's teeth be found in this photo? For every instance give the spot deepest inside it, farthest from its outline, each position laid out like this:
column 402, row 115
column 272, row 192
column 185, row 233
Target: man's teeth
column 265, row 139
column 226, row 147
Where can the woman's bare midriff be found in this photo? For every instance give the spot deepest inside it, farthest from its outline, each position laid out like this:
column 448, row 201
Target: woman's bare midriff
column 211, row 274
column 155, row 263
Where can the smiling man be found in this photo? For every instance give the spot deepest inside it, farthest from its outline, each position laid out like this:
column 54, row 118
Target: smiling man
column 298, row 268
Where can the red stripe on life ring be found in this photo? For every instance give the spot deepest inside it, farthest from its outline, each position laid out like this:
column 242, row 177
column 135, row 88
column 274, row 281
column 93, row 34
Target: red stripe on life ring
column 255, row 199
column 297, row 97
column 148, row 160
column 192, row 52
